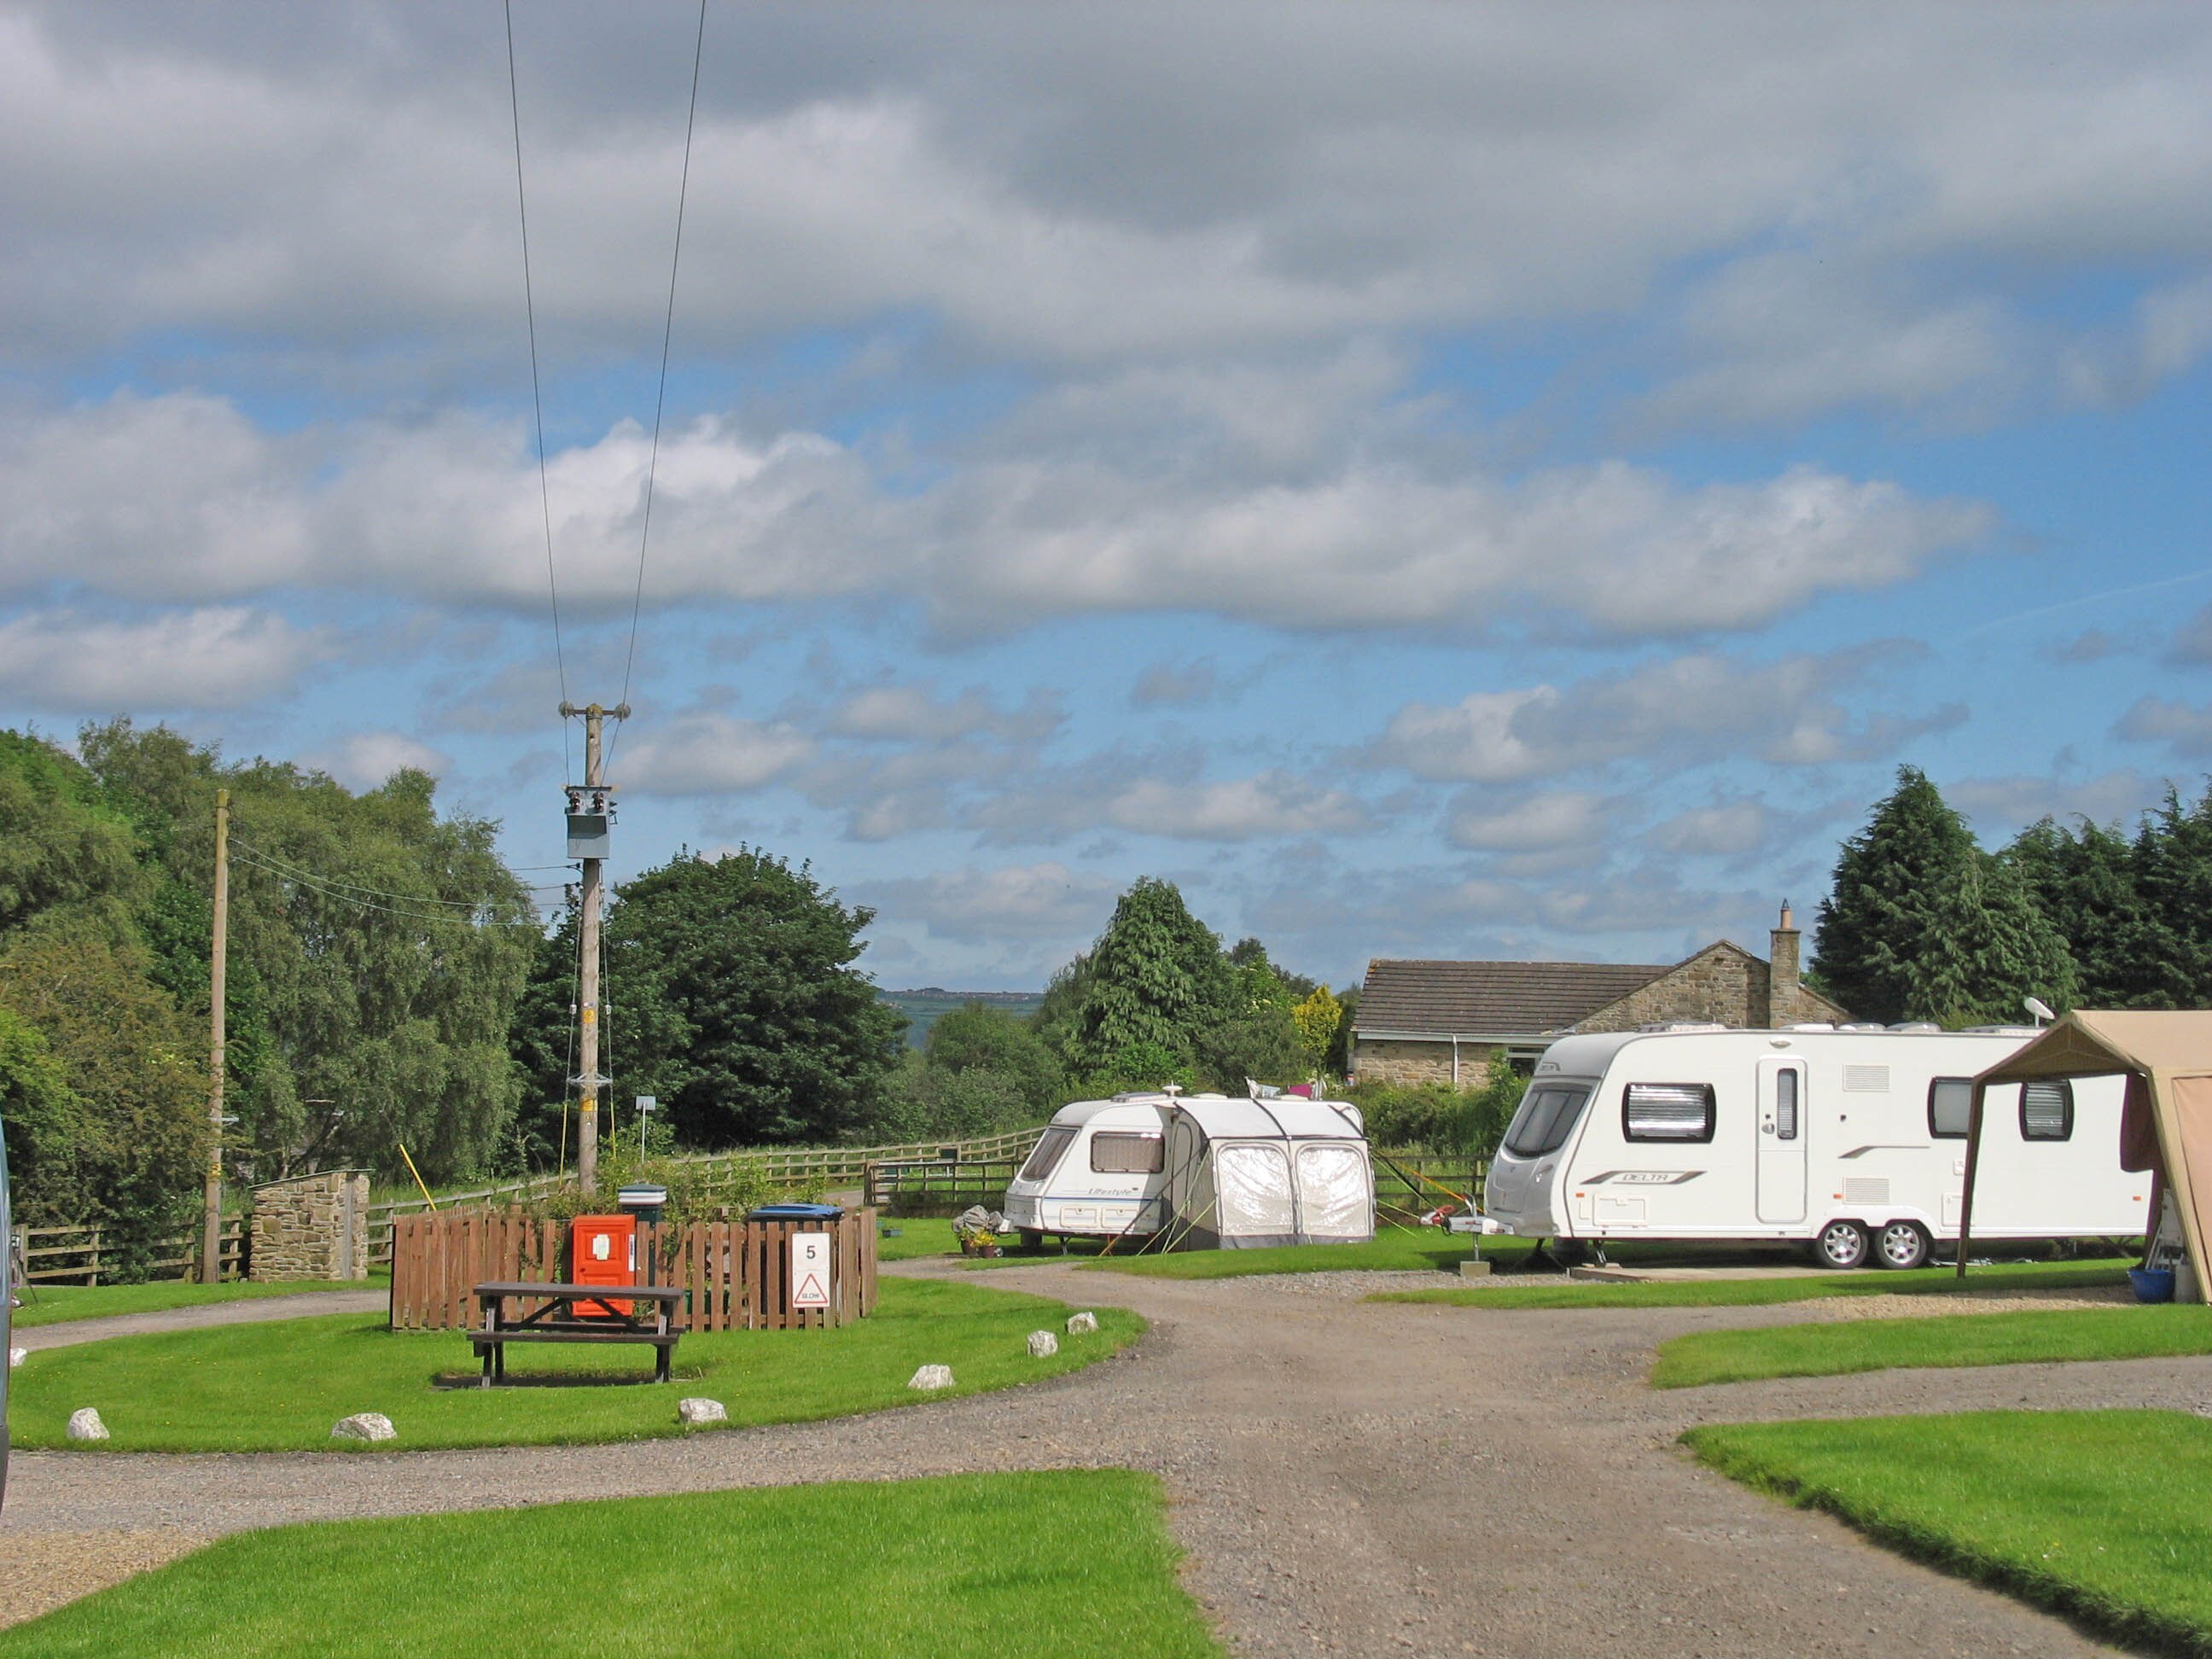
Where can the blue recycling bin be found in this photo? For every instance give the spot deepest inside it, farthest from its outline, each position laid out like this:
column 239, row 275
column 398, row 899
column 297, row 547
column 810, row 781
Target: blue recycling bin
column 797, row 1212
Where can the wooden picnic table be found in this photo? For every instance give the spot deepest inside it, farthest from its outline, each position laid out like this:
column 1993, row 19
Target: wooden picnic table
column 564, row 1317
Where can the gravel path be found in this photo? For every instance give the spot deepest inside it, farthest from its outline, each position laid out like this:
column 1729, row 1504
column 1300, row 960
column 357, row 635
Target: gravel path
column 250, row 1311
column 1348, row 1477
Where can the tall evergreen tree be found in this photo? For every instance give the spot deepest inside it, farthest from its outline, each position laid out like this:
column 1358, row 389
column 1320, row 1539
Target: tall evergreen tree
column 2088, row 885
column 1921, row 923
column 1155, row 979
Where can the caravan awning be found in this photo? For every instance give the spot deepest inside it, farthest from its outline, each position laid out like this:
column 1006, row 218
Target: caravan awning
column 2167, row 1126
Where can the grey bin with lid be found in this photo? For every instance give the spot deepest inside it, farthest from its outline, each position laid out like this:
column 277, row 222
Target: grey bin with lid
column 646, row 1203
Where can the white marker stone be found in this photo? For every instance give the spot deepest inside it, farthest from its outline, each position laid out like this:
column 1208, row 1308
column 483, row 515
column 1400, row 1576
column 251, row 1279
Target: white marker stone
column 930, row 1377
column 1043, row 1345
column 364, row 1425
column 17, row 1357
column 1081, row 1324
column 694, row 1413
column 85, row 1424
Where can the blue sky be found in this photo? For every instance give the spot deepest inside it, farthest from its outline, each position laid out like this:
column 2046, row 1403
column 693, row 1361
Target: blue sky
column 1438, row 481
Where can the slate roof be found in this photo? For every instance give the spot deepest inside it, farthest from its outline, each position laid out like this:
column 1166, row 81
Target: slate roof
column 1492, row 998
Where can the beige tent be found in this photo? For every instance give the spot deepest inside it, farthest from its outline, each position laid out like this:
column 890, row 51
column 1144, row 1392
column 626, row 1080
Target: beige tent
column 2166, row 1125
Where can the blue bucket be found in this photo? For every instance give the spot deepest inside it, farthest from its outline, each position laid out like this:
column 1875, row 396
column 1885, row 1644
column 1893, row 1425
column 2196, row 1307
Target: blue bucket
column 2151, row 1284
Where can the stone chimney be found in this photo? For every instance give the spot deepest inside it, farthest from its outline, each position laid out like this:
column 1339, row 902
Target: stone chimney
column 1782, row 977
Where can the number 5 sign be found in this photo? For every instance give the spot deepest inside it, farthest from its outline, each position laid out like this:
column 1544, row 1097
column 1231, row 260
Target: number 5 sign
column 810, row 1270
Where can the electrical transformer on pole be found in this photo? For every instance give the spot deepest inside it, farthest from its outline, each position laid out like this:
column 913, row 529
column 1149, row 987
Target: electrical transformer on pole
column 591, row 811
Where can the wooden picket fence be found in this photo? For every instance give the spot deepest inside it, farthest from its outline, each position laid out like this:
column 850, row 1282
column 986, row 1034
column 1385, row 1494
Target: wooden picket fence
column 736, row 1272
column 86, row 1255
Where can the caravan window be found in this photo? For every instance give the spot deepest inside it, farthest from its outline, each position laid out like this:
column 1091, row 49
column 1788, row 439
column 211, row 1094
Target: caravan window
column 1950, row 1103
column 1547, row 1116
column 1047, row 1153
column 2046, row 1110
column 1668, row 1111
column 1134, row 1154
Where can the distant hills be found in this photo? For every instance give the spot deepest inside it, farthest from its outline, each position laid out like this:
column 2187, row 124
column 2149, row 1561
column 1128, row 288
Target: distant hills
column 922, row 1006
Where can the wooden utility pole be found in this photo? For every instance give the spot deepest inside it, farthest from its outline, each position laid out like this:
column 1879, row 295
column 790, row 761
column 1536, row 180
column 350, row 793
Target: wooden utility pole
column 587, row 804
column 218, row 953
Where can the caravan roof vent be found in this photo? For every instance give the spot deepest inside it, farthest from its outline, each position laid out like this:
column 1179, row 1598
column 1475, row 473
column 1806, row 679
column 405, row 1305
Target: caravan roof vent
column 1916, row 1027
column 1811, row 1026
column 1863, row 1026
column 1684, row 1026
column 1999, row 1031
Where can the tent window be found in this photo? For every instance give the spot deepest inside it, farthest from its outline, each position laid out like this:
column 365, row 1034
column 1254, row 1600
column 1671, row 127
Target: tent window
column 1047, row 1153
column 1668, row 1111
column 1950, row 1102
column 2046, row 1110
column 1127, row 1154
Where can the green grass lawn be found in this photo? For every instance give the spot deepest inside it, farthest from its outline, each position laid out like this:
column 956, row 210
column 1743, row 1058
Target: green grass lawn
column 2105, row 1516
column 280, row 1386
column 1874, row 1344
column 1073, row 1564
column 57, row 1304
column 1553, row 1292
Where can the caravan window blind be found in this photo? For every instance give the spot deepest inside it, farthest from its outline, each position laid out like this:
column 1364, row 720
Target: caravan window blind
column 2046, row 1110
column 1126, row 1154
column 1950, row 1101
column 1668, row 1111
column 1785, row 1104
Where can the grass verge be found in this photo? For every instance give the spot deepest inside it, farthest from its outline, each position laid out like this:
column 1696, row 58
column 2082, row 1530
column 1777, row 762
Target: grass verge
column 279, row 1386
column 1874, row 1344
column 1557, row 1292
column 1070, row 1563
column 2103, row 1515
column 59, row 1303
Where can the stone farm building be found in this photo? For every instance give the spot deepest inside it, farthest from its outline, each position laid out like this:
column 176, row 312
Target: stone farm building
column 1439, row 1022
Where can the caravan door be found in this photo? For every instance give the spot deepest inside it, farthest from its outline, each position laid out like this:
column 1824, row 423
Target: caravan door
column 1780, row 1126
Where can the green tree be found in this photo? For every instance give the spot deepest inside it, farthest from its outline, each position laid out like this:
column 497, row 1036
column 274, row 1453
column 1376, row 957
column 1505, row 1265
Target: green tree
column 2088, row 884
column 1921, row 923
column 733, row 998
column 1155, row 977
column 541, row 1040
column 1316, row 1019
column 67, row 848
column 43, row 1121
column 978, row 1038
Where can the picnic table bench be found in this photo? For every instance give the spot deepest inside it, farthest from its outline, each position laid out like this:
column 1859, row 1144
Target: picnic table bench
column 563, row 1316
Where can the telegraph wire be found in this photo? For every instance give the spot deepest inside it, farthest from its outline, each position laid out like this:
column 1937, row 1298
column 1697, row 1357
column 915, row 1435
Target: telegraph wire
column 667, row 333
column 536, row 395
column 285, row 866
column 469, row 916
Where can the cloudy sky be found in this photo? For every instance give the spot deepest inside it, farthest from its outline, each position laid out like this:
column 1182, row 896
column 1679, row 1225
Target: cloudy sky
column 1430, row 479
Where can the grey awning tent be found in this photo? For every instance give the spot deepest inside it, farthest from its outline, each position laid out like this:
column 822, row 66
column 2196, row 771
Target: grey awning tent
column 2165, row 1127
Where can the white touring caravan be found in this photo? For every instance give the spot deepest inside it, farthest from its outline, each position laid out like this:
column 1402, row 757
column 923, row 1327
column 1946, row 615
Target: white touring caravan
column 1850, row 1139
column 1207, row 1171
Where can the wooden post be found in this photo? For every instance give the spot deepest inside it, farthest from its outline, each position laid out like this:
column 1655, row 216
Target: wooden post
column 587, row 1011
column 218, row 950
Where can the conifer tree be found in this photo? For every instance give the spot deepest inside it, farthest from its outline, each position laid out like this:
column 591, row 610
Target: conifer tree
column 1155, row 977
column 1921, row 923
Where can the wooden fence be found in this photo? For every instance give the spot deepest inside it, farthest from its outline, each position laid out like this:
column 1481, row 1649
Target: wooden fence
column 86, row 1255
column 788, row 1166
column 735, row 1273
column 1408, row 1185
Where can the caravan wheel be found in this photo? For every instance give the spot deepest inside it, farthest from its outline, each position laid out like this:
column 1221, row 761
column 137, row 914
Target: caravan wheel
column 1841, row 1244
column 1902, row 1244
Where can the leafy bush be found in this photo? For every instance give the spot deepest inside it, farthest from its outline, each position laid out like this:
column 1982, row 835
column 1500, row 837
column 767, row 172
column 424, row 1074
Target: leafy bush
column 1438, row 1118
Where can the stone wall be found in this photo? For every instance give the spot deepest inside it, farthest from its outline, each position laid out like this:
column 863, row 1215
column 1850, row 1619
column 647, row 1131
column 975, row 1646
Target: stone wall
column 312, row 1227
column 1407, row 1062
column 1721, row 983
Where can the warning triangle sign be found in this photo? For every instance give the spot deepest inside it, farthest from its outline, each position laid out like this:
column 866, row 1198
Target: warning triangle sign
column 810, row 1290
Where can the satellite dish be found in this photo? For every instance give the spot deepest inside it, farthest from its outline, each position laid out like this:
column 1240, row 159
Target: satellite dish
column 2039, row 1007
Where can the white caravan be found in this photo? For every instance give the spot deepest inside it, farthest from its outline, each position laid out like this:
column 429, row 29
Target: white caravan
column 1850, row 1139
column 1212, row 1172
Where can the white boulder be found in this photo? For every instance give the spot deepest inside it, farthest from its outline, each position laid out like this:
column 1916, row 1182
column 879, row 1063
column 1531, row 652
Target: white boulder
column 1082, row 1324
column 17, row 1357
column 85, row 1424
column 931, row 1376
column 364, row 1425
column 1043, row 1345
column 696, row 1413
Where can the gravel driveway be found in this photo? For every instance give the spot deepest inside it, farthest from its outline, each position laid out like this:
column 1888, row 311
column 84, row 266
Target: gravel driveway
column 1348, row 1477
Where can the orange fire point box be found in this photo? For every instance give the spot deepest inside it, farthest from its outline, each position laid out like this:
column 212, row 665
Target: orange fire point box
column 602, row 1250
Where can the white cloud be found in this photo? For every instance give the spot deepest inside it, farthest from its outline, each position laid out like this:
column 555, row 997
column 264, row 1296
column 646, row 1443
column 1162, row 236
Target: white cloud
column 1541, row 822
column 908, row 713
column 1727, row 829
column 1046, row 901
column 1162, row 796
column 221, row 657
column 366, row 759
column 1683, row 709
column 2000, row 806
column 1175, row 685
column 704, row 753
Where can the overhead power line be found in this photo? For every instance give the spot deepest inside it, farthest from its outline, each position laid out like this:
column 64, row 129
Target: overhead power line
column 668, row 334
column 413, row 909
column 536, row 395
